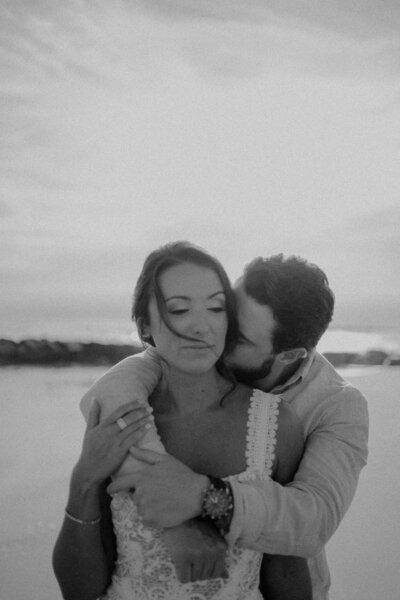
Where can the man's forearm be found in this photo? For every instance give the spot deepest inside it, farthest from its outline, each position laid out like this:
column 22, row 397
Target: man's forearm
column 298, row 519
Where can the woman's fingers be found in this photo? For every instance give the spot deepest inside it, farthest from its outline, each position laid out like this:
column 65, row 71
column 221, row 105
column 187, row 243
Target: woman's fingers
column 134, row 432
column 105, row 444
column 134, row 439
column 184, row 573
column 148, row 456
column 137, row 415
column 219, row 570
column 130, row 412
column 125, row 483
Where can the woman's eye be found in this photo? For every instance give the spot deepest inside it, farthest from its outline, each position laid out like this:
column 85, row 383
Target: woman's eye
column 218, row 309
column 177, row 311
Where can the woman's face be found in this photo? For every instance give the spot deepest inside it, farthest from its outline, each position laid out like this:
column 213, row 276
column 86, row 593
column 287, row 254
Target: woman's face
column 195, row 304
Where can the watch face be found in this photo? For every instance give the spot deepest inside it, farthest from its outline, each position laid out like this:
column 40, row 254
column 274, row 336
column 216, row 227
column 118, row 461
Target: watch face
column 217, row 503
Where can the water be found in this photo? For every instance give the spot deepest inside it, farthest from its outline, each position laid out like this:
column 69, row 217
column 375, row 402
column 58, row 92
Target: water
column 124, row 332
column 344, row 340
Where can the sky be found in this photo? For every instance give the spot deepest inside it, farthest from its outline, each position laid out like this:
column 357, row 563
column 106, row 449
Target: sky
column 247, row 127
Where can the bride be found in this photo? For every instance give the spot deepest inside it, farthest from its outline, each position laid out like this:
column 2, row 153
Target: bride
column 184, row 306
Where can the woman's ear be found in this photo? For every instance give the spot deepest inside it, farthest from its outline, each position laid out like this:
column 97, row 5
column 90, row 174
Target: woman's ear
column 143, row 329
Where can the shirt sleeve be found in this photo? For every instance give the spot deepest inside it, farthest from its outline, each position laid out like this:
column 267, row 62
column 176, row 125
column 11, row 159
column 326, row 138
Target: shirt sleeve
column 298, row 519
column 134, row 378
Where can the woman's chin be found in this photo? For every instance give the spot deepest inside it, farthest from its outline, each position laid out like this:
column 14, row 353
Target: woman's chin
column 197, row 366
column 189, row 360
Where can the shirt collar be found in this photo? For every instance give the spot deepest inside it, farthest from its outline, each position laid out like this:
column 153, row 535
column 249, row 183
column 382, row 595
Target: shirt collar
column 298, row 375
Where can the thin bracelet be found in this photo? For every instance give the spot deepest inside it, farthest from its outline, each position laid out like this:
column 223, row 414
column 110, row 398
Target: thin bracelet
column 93, row 522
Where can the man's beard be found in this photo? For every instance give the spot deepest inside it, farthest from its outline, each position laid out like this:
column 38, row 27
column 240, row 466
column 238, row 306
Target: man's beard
column 251, row 375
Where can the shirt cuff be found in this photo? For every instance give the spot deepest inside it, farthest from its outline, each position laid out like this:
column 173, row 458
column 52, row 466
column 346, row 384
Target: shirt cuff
column 247, row 501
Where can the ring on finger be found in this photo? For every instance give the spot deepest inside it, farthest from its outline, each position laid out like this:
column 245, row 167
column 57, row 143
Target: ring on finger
column 122, row 424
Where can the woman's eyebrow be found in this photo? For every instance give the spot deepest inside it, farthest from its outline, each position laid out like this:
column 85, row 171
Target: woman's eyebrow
column 187, row 297
column 177, row 298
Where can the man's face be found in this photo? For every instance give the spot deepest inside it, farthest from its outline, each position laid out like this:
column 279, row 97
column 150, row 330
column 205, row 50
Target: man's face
column 253, row 357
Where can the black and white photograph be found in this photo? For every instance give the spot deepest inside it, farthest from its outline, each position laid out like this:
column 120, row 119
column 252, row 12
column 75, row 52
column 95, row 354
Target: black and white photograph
column 199, row 300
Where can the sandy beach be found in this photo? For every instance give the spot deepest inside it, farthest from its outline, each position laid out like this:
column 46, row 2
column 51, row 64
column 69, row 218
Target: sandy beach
column 40, row 435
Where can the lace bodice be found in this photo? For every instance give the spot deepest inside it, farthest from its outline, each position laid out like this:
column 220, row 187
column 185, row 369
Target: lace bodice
column 144, row 569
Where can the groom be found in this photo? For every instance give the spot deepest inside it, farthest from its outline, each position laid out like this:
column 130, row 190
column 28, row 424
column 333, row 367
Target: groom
column 284, row 307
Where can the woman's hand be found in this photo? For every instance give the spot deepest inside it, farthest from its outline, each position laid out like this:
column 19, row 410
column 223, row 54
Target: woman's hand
column 197, row 549
column 105, row 445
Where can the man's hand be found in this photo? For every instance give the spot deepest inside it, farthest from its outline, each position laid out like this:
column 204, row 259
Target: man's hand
column 198, row 551
column 166, row 493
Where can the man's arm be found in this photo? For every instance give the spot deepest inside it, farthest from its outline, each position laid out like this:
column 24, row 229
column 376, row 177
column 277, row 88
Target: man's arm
column 133, row 378
column 299, row 518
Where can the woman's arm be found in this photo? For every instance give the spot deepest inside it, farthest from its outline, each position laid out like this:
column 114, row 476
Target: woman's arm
column 84, row 553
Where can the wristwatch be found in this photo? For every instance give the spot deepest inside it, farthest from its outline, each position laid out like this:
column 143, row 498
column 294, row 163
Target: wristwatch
column 217, row 504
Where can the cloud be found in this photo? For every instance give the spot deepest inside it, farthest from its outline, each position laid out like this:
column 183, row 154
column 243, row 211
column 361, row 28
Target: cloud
column 5, row 210
column 363, row 17
column 238, row 39
column 380, row 227
column 228, row 38
column 46, row 41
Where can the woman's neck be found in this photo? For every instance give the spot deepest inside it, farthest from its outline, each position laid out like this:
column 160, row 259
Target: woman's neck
column 182, row 393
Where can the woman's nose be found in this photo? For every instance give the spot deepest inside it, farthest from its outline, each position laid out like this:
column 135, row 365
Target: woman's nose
column 200, row 324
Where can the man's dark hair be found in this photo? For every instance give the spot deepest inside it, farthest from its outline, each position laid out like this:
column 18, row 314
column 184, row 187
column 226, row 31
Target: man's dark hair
column 298, row 294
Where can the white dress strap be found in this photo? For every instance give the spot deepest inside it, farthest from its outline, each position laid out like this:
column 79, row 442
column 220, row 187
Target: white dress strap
column 261, row 435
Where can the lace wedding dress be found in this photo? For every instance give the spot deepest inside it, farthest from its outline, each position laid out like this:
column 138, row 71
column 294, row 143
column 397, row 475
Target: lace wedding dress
column 144, row 569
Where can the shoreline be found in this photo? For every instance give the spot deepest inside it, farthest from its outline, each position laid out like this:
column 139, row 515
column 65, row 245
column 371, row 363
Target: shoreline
column 44, row 352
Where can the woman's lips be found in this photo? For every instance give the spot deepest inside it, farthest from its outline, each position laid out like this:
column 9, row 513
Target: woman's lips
column 198, row 347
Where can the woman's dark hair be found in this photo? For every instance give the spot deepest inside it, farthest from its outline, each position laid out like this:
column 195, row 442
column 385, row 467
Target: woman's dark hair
column 158, row 262
column 299, row 296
